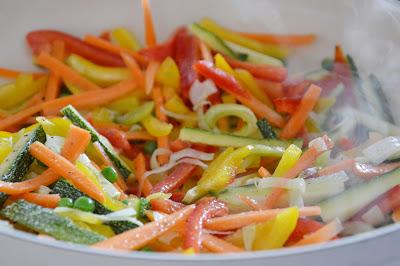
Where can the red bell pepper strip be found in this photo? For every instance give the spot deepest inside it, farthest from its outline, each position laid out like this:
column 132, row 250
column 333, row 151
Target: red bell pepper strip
column 166, row 206
column 42, row 38
column 186, row 54
column 287, row 105
column 303, row 227
column 176, row 179
column 339, row 55
column 296, row 88
column 159, row 52
column 230, row 85
column 205, row 210
column 271, row 73
column 272, row 89
column 119, row 141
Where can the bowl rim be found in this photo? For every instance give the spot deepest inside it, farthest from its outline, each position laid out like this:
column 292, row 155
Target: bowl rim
column 177, row 257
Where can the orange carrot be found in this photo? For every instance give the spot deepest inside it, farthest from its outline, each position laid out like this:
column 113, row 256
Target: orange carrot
column 140, row 236
column 235, row 221
column 65, row 72
column 166, row 205
column 272, row 89
column 150, row 34
column 396, row 215
column 109, row 47
column 178, row 145
column 9, row 73
column 296, row 122
column 139, row 135
column 76, row 142
column 44, row 200
column 252, row 203
column 342, row 165
column 205, row 52
column 339, row 55
column 323, row 234
column 19, row 117
column 53, row 84
column 150, row 75
column 291, row 39
column 140, row 167
column 162, row 142
column 218, row 245
column 263, row 172
column 90, row 99
column 136, row 72
column 66, row 169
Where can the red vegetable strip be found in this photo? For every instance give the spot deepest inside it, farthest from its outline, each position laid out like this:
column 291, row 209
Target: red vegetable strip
column 140, row 236
column 230, row 85
column 159, row 52
column 218, row 245
column 205, row 52
column 303, row 227
column 296, row 122
column 291, row 39
column 9, row 73
column 339, row 55
column 53, row 84
column 271, row 73
column 166, row 206
column 368, row 171
column 44, row 200
column 150, row 75
column 65, row 72
column 324, row 234
column 252, row 203
column 340, row 166
column 36, row 40
column 235, row 221
column 272, row 89
column 176, row 179
column 286, row 105
column 19, row 117
column 139, row 135
column 150, row 34
column 206, row 209
column 263, row 172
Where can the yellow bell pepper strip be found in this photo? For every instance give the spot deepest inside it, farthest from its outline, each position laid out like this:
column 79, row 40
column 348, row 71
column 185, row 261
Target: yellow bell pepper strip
column 73, row 88
column 268, row 49
column 175, row 104
column 227, row 98
column 224, row 168
column 247, row 81
column 221, row 63
column 155, row 127
column 274, row 233
column 101, row 116
column 168, row 74
column 125, row 104
column 55, row 126
column 216, row 112
column 168, row 93
column 101, row 75
column 125, row 39
column 22, row 89
column 137, row 114
column 288, row 160
column 6, row 143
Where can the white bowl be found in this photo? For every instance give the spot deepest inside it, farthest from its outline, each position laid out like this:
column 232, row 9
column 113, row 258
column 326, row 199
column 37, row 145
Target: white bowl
column 369, row 30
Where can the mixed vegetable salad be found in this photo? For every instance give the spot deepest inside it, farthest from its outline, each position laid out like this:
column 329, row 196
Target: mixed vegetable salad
column 201, row 143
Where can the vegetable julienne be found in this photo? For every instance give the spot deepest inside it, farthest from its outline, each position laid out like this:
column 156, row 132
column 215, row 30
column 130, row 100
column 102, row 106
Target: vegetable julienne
column 201, row 143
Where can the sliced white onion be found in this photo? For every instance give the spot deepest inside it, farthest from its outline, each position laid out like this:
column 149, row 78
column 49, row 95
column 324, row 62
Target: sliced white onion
column 122, row 213
column 172, row 163
column 199, row 91
column 321, row 144
column 192, row 153
column 54, row 143
column 44, row 190
column 356, row 227
column 153, row 159
column 249, row 234
column 340, row 176
column 286, row 183
column 382, row 150
column 178, row 116
column 193, row 161
column 201, row 116
column 374, row 216
column 135, row 127
column 157, row 216
column 296, row 199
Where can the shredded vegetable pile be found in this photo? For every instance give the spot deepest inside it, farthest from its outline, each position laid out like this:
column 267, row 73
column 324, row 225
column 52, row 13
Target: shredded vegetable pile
column 201, row 143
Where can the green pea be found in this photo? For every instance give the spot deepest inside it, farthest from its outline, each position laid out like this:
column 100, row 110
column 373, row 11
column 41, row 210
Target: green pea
column 110, row 174
column 149, row 147
column 66, row 202
column 84, row 204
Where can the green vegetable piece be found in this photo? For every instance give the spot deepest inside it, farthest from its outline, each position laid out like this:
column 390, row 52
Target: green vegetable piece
column 149, row 147
column 327, row 64
column 142, row 207
column 266, row 129
column 46, row 221
column 137, row 114
column 147, row 249
column 66, row 202
column 110, row 174
column 84, row 204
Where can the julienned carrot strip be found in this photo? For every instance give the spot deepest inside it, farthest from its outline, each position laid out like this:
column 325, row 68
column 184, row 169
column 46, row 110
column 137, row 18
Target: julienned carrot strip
column 109, row 47
column 291, row 39
column 66, row 169
column 205, row 52
column 44, row 200
column 162, row 142
column 166, row 206
column 178, row 145
column 19, row 117
column 53, row 84
column 140, row 167
column 65, row 72
column 150, row 75
column 339, row 55
column 140, row 236
column 136, row 72
column 396, row 215
column 252, row 203
column 296, row 122
column 340, row 166
column 323, row 234
column 150, row 34
column 218, row 245
column 90, row 98
column 75, row 144
column 139, row 135
column 303, row 227
column 272, row 89
column 10, row 73
column 235, row 221
column 263, row 172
